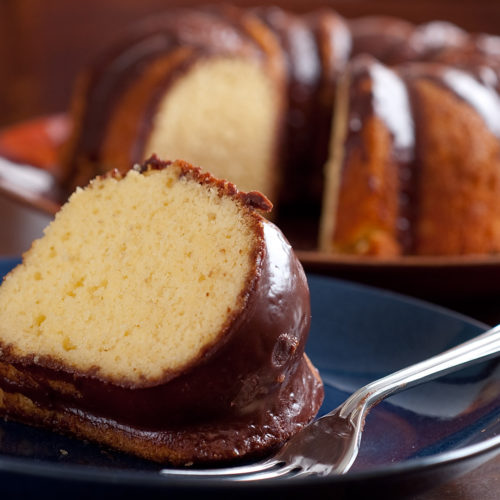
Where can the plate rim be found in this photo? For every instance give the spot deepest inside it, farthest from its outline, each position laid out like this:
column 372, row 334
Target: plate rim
column 131, row 477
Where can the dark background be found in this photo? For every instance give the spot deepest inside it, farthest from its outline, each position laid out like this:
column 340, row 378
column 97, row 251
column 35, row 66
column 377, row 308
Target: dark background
column 43, row 43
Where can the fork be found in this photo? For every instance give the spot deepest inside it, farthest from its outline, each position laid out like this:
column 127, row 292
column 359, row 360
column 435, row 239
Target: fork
column 330, row 444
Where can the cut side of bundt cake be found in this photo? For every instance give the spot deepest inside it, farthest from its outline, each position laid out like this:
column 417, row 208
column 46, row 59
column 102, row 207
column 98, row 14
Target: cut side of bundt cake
column 160, row 314
column 206, row 115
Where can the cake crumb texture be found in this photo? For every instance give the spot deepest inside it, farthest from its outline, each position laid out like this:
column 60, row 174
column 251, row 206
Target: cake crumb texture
column 196, row 120
column 134, row 280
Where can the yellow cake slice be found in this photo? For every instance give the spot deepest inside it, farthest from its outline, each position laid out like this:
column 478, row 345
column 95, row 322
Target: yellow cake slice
column 163, row 315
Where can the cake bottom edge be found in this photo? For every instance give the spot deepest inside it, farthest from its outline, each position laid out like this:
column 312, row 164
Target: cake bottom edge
column 210, row 442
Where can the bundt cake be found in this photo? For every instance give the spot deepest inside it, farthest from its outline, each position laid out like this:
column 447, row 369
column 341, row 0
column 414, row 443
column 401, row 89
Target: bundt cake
column 161, row 315
column 408, row 167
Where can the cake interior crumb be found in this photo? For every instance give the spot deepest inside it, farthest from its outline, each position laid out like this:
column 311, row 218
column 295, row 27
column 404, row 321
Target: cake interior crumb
column 136, row 276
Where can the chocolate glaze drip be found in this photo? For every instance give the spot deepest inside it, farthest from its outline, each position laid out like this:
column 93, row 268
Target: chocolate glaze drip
column 392, row 95
column 391, row 102
column 467, row 65
column 249, row 392
column 316, row 48
column 379, row 91
column 303, row 75
column 334, row 42
column 395, row 41
column 471, row 70
column 470, row 82
column 481, row 97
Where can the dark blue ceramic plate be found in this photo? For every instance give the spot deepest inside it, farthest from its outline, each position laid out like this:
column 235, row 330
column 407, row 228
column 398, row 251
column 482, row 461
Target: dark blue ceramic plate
column 412, row 441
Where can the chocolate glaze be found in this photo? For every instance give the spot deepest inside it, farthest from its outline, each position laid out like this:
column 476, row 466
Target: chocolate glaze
column 251, row 390
column 392, row 95
column 391, row 102
column 394, row 41
column 427, row 40
column 469, row 80
column 378, row 35
column 315, row 48
column 483, row 98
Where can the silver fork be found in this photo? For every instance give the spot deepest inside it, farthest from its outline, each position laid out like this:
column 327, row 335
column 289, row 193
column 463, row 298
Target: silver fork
column 330, row 444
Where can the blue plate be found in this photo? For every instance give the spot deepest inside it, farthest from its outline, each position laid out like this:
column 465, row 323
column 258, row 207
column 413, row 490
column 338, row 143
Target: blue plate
column 412, row 441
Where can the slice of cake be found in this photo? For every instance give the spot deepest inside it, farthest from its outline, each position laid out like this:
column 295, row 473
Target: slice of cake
column 161, row 315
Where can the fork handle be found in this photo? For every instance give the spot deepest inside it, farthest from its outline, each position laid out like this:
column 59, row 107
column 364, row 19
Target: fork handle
column 483, row 347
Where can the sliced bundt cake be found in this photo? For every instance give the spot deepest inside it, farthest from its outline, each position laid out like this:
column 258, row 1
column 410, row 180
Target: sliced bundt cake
column 161, row 315
column 249, row 94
